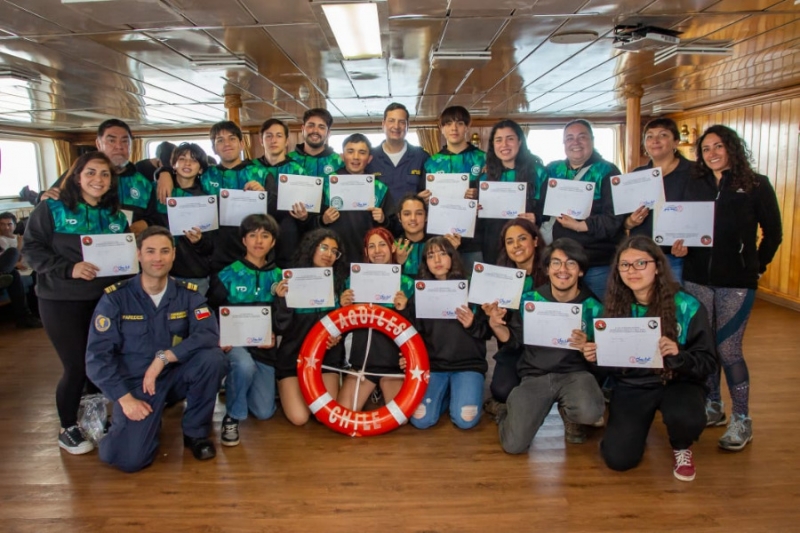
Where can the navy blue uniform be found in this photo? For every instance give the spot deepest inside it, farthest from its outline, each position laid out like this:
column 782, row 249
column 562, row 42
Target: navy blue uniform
column 407, row 177
column 126, row 332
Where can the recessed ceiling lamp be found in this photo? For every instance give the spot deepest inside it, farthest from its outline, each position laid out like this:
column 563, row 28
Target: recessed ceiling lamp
column 356, row 29
column 574, row 37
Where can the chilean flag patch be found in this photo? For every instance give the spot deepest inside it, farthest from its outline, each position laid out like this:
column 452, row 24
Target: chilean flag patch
column 202, row 312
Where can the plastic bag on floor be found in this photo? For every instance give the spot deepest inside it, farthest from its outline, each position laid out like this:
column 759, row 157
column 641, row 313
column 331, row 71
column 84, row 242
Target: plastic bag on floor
column 93, row 416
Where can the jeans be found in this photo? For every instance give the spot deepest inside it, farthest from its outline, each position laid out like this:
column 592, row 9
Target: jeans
column 676, row 265
column 596, row 278
column 577, row 393
column 250, row 386
column 463, row 391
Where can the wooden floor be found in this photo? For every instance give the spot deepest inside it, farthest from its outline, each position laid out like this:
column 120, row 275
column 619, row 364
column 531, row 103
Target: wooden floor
column 283, row 478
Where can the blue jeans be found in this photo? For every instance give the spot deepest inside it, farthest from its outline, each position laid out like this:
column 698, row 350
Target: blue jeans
column 250, row 386
column 202, row 284
column 676, row 265
column 596, row 278
column 463, row 390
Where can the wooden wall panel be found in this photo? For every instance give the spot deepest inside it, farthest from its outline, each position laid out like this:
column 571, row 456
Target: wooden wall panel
column 770, row 125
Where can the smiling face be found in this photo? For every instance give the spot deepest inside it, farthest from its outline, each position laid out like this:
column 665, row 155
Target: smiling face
column 228, row 147
column 325, row 253
column 439, row 262
column 639, row 281
column 520, row 245
column 715, row 155
column 186, row 166
column 578, row 144
column 379, row 251
column 315, row 132
column 506, row 146
column 356, row 157
column 116, row 144
column 258, row 244
column 95, row 180
column 659, row 143
column 156, row 256
column 395, row 125
column 412, row 218
column 564, row 273
column 274, row 141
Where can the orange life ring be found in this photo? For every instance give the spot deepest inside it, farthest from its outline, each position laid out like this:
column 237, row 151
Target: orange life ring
column 364, row 423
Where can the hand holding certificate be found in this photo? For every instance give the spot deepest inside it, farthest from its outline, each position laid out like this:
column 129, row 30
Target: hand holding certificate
column 235, row 205
column 494, row 283
column 691, row 221
column 352, row 192
column 502, row 199
column 452, row 215
column 245, row 326
column 628, row 342
column 631, row 191
column 187, row 212
column 569, row 197
column 550, row 323
column 373, row 283
column 439, row 299
column 309, row 288
column 113, row 254
column 305, row 189
column 447, row 185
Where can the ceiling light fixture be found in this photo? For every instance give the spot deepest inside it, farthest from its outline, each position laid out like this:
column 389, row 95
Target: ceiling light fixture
column 356, row 29
column 574, row 37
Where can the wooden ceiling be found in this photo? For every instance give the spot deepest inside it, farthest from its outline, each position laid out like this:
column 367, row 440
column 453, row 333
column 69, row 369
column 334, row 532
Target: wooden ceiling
column 133, row 59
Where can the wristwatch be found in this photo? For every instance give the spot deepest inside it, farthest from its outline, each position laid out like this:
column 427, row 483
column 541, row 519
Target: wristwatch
column 161, row 354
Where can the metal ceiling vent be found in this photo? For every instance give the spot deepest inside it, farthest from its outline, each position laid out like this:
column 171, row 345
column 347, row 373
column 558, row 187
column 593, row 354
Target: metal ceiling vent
column 694, row 53
column 222, row 62
column 459, row 58
column 124, row 12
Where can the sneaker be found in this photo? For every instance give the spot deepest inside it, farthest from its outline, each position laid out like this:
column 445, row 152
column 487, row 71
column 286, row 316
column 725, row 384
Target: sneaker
column 715, row 414
column 230, row 431
column 600, row 422
column 73, row 441
column 492, row 406
column 683, row 466
column 377, row 396
column 738, row 434
column 573, row 433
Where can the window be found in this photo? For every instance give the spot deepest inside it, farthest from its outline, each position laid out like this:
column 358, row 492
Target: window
column 548, row 143
column 376, row 138
column 202, row 142
column 19, row 166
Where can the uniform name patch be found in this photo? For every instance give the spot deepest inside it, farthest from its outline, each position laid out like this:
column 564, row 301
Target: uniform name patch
column 201, row 313
column 178, row 315
column 132, row 317
column 102, row 323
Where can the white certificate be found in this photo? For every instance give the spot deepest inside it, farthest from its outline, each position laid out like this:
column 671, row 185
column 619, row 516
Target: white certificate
column 569, row 197
column 550, row 323
column 439, row 299
column 114, row 254
column 491, row 283
column 374, row 283
column 447, row 185
column 691, row 221
column 636, row 189
column 189, row 212
column 628, row 342
column 502, row 199
column 293, row 188
column 452, row 215
column 352, row 192
column 235, row 205
column 309, row 287
column 245, row 326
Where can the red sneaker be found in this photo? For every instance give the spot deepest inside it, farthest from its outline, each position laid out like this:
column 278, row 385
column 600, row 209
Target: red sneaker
column 684, row 465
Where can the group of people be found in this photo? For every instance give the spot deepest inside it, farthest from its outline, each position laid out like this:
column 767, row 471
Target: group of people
column 149, row 340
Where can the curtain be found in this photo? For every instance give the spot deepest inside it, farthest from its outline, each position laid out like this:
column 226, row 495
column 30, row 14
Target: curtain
column 63, row 158
column 137, row 150
column 248, row 143
column 430, row 139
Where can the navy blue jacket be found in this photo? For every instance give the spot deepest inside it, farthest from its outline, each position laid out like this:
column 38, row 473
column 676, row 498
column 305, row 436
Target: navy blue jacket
column 407, row 177
column 127, row 330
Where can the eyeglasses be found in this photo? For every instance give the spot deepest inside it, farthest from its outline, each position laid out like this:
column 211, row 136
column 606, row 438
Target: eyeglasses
column 434, row 255
column 571, row 264
column 324, row 248
column 640, row 264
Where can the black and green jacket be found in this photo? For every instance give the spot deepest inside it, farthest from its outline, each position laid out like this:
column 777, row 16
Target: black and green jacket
column 321, row 165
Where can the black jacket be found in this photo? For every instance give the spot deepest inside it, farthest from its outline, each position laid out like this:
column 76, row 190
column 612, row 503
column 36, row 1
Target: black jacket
column 454, row 348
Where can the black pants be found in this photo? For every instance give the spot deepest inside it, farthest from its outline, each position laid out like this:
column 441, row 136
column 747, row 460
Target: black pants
column 504, row 377
column 631, row 413
column 67, row 324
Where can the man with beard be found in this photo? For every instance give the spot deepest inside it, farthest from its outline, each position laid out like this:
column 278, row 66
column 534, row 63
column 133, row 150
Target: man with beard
column 314, row 154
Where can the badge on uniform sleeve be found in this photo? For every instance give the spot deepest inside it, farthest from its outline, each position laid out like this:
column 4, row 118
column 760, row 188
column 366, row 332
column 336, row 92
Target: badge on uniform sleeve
column 102, row 323
column 202, row 312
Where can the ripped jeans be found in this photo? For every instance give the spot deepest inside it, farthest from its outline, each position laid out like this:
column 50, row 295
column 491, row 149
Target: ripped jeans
column 462, row 392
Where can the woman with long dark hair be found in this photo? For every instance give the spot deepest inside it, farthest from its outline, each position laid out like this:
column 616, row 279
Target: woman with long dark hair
column 641, row 285
column 68, row 287
column 725, row 276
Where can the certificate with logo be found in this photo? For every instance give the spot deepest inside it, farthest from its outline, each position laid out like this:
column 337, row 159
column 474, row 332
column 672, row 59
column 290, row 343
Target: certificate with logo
column 550, row 323
column 245, row 326
column 439, row 299
column 631, row 191
column 628, row 342
column 447, row 185
column 452, row 215
column 293, row 188
column 187, row 212
column 309, row 288
column 502, row 199
column 352, row 192
column 492, row 283
column 569, row 197
column 374, row 283
column 114, row 254
column 235, row 205
column 691, row 221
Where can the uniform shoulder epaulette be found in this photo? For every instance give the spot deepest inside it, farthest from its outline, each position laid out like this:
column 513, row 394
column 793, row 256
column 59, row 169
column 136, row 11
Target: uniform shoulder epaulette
column 186, row 285
column 117, row 285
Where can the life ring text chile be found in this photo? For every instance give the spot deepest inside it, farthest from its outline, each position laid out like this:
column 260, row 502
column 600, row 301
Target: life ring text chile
column 363, row 423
